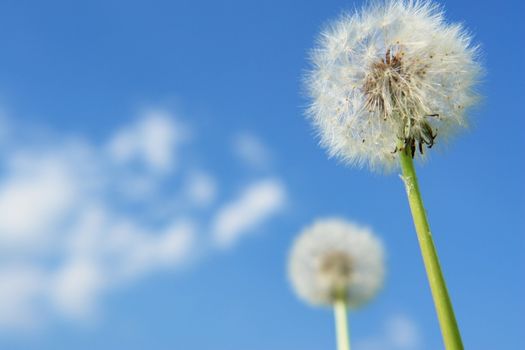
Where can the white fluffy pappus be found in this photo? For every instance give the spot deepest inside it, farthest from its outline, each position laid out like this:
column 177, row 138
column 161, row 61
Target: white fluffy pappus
column 334, row 258
column 392, row 73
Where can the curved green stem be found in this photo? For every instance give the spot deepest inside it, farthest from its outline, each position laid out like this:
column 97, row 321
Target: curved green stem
column 341, row 325
column 445, row 312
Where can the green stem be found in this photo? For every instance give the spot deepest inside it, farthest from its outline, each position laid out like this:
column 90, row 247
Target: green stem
column 341, row 324
column 443, row 305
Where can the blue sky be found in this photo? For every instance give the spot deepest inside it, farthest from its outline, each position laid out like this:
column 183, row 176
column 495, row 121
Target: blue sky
column 139, row 137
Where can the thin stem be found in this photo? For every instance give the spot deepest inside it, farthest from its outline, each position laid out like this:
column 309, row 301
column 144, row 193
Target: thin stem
column 341, row 325
column 443, row 305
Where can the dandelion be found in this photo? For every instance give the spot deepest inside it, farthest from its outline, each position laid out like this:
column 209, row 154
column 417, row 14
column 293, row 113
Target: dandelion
column 388, row 83
column 339, row 264
column 391, row 73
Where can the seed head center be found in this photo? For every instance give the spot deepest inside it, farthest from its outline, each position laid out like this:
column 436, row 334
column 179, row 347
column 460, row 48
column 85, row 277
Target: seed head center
column 391, row 91
column 386, row 84
column 336, row 270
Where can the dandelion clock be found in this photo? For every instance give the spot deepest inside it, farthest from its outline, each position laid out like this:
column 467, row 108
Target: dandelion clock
column 339, row 264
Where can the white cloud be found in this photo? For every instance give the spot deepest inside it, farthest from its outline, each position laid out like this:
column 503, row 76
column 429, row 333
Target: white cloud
column 152, row 141
column 402, row 332
column 76, row 287
column 251, row 150
column 254, row 205
column 32, row 200
column 399, row 333
column 201, row 189
column 20, row 291
column 79, row 219
column 139, row 251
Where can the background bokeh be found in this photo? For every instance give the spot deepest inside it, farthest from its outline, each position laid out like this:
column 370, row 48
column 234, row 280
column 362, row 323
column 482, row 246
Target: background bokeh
column 156, row 165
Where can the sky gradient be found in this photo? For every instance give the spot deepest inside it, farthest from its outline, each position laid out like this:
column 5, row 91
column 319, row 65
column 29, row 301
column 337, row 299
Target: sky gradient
column 161, row 151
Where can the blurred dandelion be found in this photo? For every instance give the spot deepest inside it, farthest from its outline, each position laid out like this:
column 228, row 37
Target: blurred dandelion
column 387, row 83
column 337, row 263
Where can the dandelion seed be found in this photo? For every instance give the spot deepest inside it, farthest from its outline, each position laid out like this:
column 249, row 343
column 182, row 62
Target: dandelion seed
column 395, row 71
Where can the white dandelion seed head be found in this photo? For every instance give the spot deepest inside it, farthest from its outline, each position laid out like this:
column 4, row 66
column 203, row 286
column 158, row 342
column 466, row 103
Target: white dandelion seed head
column 394, row 71
column 334, row 258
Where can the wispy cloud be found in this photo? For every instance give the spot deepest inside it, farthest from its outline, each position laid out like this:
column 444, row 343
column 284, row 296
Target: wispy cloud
column 22, row 288
column 403, row 332
column 35, row 194
column 78, row 218
column 201, row 189
column 152, row 141
column 399, row 332
column 251, row 150
column 254, row 205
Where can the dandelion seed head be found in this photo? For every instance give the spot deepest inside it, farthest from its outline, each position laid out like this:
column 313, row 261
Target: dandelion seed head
column 394, row 71
column 335, row 258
